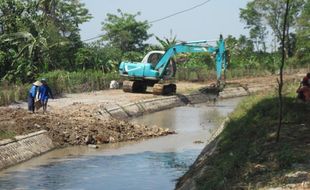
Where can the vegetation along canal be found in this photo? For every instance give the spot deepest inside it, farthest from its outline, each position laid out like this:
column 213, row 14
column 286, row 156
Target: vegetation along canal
column 150, row 164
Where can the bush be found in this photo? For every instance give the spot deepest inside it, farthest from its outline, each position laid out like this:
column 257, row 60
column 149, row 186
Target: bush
column 60, row 82
column 12, row 93
column 74, row 82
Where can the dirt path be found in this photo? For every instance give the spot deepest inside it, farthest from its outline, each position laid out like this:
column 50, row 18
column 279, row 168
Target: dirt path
column 106, row 97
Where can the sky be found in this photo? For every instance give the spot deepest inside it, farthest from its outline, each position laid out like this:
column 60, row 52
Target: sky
column 203, row 23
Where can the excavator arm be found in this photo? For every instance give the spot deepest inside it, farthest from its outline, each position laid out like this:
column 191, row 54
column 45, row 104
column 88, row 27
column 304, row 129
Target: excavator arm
column 195, row 47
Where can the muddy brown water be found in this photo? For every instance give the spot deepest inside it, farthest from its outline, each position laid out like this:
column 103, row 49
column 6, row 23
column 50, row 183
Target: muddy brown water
column 148, row 164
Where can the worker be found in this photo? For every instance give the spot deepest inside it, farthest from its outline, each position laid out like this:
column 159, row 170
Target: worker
column 44, row 94
column 304, row 88
column 154, row 58
column 32, row 95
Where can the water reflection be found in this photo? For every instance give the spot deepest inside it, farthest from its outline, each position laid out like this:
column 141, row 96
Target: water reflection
column 146, row 170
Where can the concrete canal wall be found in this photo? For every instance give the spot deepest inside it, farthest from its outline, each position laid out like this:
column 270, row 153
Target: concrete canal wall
column 154, row 105
column 25, row 147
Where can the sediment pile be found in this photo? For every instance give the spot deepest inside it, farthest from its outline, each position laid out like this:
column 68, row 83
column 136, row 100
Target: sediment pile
column 77, row 126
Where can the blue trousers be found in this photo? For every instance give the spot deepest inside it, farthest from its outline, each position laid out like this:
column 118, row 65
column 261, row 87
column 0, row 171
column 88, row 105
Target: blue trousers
column 30, row 103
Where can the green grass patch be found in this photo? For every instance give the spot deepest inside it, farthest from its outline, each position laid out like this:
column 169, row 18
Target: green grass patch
column 247, row 151
column 6, row 134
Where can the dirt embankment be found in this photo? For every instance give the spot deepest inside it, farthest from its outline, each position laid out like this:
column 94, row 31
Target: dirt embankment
column 78, row 126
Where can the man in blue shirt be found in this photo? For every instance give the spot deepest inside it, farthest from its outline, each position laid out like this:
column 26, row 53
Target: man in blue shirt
column 32, row 95
column 44, row 94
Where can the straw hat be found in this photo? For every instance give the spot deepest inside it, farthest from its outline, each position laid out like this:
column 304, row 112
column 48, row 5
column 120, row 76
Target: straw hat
column 37, row 83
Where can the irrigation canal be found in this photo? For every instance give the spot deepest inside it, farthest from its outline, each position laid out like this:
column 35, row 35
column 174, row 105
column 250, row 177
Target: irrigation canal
column 150, row 164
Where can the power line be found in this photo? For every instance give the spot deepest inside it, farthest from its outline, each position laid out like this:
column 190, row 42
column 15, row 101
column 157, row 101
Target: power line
column 160, row 19
column 180, row 12
column 92, row 38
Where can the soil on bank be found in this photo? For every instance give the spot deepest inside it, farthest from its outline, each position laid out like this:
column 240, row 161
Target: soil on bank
column 80, row 126
column 74, row 120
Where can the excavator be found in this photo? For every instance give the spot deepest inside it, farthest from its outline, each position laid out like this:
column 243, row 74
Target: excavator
column 158, row 68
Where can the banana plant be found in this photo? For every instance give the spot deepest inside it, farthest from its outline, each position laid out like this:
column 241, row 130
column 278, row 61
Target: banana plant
column 29, row 52
column 167, row 43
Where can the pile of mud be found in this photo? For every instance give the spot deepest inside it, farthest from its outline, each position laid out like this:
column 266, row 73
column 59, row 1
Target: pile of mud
column 78, row 126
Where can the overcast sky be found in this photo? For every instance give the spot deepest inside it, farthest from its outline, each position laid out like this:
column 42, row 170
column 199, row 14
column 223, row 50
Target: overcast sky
column 203, row 23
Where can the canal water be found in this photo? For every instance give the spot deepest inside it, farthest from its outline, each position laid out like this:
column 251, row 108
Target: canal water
column 144, row 165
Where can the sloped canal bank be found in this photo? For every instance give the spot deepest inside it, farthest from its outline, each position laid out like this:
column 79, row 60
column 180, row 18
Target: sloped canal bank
column 150, row 164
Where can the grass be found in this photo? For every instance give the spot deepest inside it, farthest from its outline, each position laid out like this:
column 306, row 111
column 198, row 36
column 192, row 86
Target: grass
column 12, row 93
column 247, row 151
column 205, row 74
column 6, row 134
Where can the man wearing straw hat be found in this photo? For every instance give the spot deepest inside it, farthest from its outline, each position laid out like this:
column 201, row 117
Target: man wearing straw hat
column 32, row 95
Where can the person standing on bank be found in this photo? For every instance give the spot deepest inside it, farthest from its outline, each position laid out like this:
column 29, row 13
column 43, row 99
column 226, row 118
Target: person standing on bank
column 44, row 94
column 304, row 89
column 33, row 92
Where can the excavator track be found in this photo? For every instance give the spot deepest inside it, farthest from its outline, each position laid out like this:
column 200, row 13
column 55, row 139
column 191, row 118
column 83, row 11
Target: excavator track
column 127, row 86
column 134, row 86
column 164, row 89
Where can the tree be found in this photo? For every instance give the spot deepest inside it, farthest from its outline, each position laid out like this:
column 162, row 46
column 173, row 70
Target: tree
column 261, row 13
column 39, row 35
column 253, row 20
column 125, row 32
column 303, row 33
column 241, row 51
column 280, row 81
column 63, row 18
column 97, row 56
column 30, row 50
column 83, row 58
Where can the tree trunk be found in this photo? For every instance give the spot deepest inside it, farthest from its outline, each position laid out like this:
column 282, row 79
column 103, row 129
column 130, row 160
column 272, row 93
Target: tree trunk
column 280, row 82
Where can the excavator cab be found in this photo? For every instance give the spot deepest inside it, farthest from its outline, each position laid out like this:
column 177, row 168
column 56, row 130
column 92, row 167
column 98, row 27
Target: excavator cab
column 153, row 57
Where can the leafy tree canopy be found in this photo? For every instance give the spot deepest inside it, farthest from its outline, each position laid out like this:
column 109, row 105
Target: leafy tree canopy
column 303, row 35
column 123, row 31
column 38, row 35
column 260, row 14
